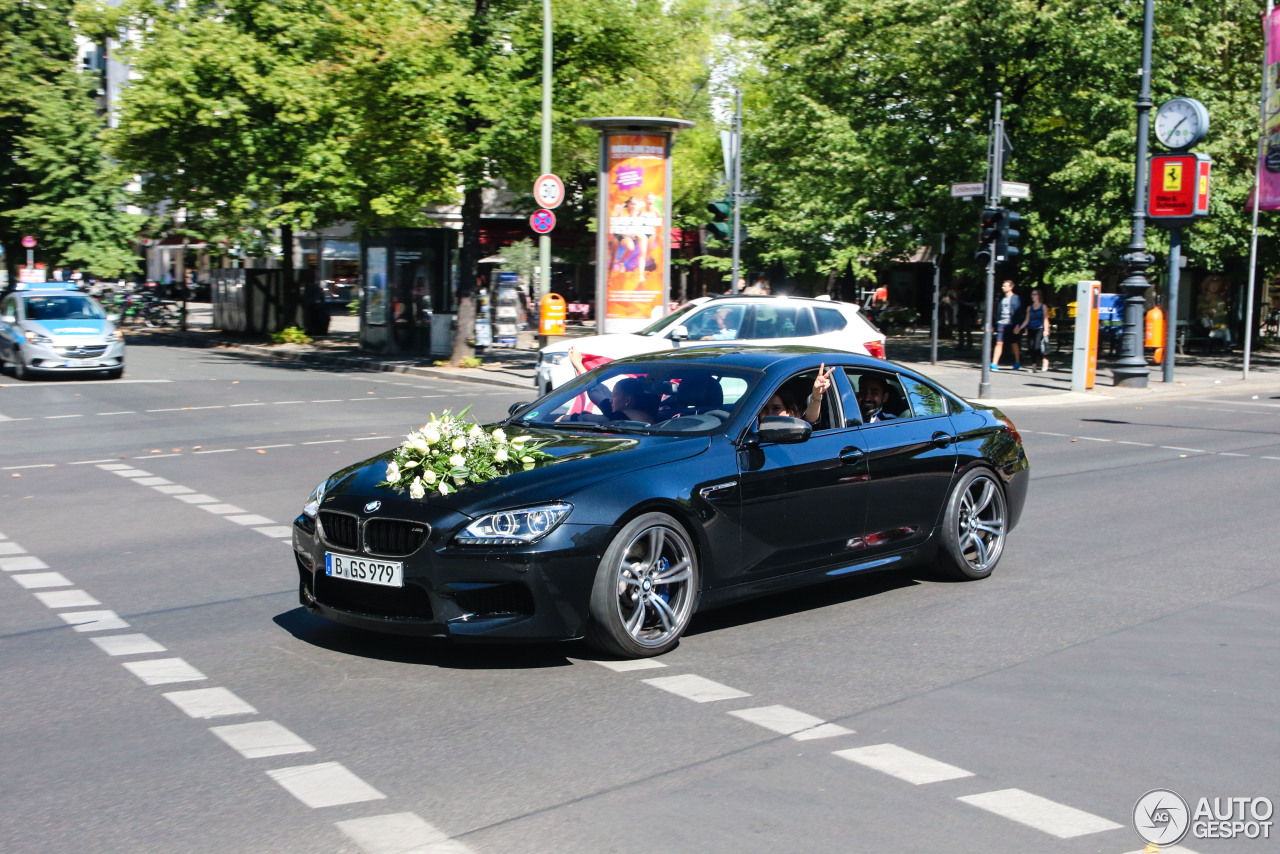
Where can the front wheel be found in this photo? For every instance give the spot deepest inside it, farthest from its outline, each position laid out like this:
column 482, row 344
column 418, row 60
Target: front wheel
column 645, row 589
column 975, row 525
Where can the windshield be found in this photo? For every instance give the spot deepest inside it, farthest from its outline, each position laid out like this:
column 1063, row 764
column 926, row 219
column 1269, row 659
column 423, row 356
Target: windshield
column 70, row 307
column 668, row 321
column 659, row 398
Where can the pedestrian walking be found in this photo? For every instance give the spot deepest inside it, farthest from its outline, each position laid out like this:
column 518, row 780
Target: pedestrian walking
column 1036, row 326
column 1007, row 326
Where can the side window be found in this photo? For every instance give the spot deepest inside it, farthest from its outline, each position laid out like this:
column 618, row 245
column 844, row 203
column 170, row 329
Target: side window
column 829, row 320
column 880, row 396
column 926, row 401
column 720, row 323
column 780, row 321
column 9, row 307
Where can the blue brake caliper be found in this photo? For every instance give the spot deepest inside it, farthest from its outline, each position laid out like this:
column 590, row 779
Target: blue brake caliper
column 662, row 592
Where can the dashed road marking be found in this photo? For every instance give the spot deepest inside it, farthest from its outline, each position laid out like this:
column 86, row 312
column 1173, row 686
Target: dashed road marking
column 238, row 405
column 39, row 466
column 222, row 509
column 93, row 621
column 175, row 489
column 399, row 833
column 788, row 721
column 106, row 465
column 53, row 417
column 91, row 462
column 902, row 763
column 277, row 531
column 53, row 599
column 154, row 481
column 1186, row 450
column 122, row 412
column 327, row 784
column 208, row 703
column 1142, row 444
column 18, row 564
column 261, row 738
column 217, row 451
column 249, row 519
column 135, row 644
column 38, row 580
column 129, row 471
column 198, row 498
column 325, row 442
column 163, row 671
column 1040, row 813
column 268, row 447
column 696, row 688
column 635, row 664
column 11, row 548
column 1091, row 439
column 1228, row 454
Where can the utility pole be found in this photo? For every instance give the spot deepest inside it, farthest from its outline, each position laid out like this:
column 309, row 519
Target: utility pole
column 995, row 170
column 544, row 240
column 937, row 286
column 737, row 187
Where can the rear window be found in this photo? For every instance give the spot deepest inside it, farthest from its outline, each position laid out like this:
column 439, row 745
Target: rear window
column 829, row 320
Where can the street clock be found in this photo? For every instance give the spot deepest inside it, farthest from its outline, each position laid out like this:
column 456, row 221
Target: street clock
column 1181, row 123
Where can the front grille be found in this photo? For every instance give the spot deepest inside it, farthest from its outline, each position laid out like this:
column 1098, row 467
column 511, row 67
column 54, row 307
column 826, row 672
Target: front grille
column 407, row 603
column 512, row 598
column 394, row 536
column 83, row 352
column 340, row 529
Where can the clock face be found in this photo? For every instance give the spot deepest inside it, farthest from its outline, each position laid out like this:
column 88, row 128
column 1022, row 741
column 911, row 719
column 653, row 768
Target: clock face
column 1181, row 123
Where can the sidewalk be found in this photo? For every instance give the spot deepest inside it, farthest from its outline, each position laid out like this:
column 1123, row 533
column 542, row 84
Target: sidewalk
column 957, row 369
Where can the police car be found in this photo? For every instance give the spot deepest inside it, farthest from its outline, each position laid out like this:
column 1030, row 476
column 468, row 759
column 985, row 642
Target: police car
column 56, row 329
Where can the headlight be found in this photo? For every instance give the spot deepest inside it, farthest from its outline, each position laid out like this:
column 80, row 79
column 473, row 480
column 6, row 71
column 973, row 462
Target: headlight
column 553, row 358
column 37, row 338
column 514, row 527
column 117, row 335
column 312, row 507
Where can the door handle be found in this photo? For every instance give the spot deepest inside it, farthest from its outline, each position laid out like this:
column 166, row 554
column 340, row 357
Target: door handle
column 941, row 440
column 849, row 456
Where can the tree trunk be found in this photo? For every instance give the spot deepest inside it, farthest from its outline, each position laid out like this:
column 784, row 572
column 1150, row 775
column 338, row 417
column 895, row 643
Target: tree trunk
column 291, row 299
column 468, row 274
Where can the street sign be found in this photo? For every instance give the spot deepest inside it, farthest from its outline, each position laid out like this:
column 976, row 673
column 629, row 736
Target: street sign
column 548, row 191
column 968, row 191
column 1178, row 190
column 28, row 242
column 1015, row 190
column 542, row 221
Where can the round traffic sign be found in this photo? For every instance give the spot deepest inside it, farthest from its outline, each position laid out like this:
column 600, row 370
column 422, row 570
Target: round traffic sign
column 543, row 221
column 548, row 191
column 28, row 242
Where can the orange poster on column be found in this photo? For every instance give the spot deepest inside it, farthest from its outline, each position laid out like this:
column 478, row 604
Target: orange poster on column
column 637, row 228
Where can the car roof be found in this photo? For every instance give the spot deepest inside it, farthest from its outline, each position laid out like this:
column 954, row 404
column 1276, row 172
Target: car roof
column 47, row 292
column 756, row 358
column 779, row 298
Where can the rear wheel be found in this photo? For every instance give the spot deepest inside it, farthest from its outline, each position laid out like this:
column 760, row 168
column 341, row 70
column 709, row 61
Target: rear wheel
column 20, row 371
column 974, row 529
column 645, row 589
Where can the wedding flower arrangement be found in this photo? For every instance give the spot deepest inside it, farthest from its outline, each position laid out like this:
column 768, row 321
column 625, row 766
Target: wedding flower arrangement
column 449, row 451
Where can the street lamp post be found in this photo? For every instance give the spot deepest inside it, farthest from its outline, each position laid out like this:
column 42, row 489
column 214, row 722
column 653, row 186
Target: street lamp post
column 1131, row 369
column 544, row 240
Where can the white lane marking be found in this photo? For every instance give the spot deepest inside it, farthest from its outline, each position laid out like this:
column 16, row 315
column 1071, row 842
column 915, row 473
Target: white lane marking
column 1091, row 439
column 696, row 688
column 11, row 548
column 132, row 472
column 1235, row 402
column 370, row 439
column 122, row 412
column 636, row 664
column 171, row 409
column 198, row 498
column 1142, row 444
column 163, row 671
column 1188, row 450
column 249, row 519
column 902, row 763
column 266, row 447
column 175, row 489
column 217, row 451
column 222, row 509
column 288, row 402
column 156, row 456
column 66, row 599
column 325, row 442
column 193, row 408
column 64, row 383
column 90, row 463
column 154, row 481
column 52, row 417
column 93, row 621
column 40, row 466
column 326, row 784
column 333, row 400
column 107, row 466
column 1226, row 454
column 17, row 564
column 401, row 397
column 788, row 721
column 278, row 531
column 1047, row 433
column 1271, row 458
column 209, row 703
column 1040, row 813
column 236, row 405
column 38, row 580
column 261, row 738
column 136, row 644
column 399, row 833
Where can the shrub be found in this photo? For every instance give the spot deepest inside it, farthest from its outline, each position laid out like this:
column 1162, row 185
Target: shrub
column 290, row 335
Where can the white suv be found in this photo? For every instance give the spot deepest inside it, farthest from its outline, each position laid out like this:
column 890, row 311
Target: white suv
column 748, row 320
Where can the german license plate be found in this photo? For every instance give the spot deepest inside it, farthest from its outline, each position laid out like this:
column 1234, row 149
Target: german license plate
column 388, row 573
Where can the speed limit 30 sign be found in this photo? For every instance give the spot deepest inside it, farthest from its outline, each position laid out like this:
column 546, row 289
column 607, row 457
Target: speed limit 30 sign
column 548, row 191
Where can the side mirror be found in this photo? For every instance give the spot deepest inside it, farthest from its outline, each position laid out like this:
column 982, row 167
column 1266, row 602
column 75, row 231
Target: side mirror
column 680, row 333
column 783, row 430
column 515, row 407
column 9, row 318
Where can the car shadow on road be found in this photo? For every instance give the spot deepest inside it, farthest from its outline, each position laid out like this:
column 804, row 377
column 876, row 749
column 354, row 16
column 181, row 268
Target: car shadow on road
column 430, row 652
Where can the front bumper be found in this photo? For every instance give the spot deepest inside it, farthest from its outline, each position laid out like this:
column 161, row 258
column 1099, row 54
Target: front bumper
column 532, row 593
column 61, row 356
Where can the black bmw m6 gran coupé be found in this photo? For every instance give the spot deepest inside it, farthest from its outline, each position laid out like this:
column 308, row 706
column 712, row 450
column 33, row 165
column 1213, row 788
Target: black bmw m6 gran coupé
column 667, row 491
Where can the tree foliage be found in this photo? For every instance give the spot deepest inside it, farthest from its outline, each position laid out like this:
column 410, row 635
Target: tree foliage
column 863, row 112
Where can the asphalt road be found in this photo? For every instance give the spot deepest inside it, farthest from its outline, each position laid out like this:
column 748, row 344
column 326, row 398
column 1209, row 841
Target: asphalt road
column 1127, row 641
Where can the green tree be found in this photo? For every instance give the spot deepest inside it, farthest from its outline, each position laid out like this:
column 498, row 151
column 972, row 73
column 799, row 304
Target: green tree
column 55, row 181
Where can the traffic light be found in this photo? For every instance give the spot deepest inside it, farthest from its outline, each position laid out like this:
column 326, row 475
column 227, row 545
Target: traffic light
column 1008, row 233
column 721, row 212
column 987, row 233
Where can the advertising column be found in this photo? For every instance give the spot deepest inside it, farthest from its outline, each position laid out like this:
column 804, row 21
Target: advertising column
column 634, row 238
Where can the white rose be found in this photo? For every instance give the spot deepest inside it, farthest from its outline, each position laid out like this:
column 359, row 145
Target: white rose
column 498, row 435
column 393, row 472
column 444, row 488
column 459, row 443
column 429, row 477
column 519, row 440
column 416, row 489
column 475, row 431
column 500, row 455
column 417, row 443
column 430, row 434
column 457, row 461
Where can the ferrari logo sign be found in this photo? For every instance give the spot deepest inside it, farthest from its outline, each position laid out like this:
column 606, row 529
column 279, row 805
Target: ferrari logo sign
column 1172, row 177
column 1178, row 189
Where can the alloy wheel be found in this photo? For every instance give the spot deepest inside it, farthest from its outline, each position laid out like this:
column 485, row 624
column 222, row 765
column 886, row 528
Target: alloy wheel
column 982, row 521
column 655, row 585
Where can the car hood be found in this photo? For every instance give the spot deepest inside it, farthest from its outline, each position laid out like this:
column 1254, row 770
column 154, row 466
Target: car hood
column 577, row 460
column 77, row 330
column 614, row 345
